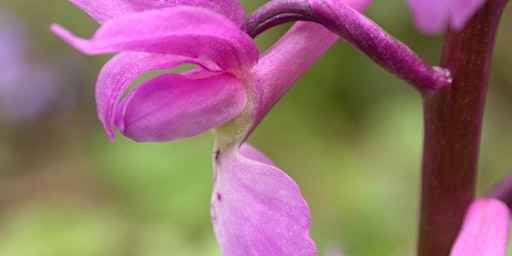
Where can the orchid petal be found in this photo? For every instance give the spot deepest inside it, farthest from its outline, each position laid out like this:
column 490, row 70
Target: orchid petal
column 280, row 66
column 102, row 11
column 431, row 16
column 463, row 10
column 485, row 230
column 120, row 72
column 257, row 209
column 188, row 31
column 172, row 106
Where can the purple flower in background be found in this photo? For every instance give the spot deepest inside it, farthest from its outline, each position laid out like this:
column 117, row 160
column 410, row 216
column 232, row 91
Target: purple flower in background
column 22, row 97
column 256, row 208
column 432, row 16
column 485, row 230
column 13, row 39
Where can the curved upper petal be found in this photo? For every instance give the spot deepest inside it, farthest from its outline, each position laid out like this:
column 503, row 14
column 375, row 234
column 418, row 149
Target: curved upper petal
column 257, row 209
column 172, row 106
column 279, row 68
column 432, row 16
column 485, row 230
column 120, row 72
column 188, row 31
column 102, row 11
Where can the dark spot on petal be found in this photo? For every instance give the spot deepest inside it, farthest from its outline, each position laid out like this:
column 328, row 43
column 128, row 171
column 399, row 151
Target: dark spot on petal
column 217, row 156
column 219, row 197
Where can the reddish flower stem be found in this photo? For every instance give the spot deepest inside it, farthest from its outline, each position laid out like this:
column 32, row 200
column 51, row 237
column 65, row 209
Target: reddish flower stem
column 453, row 121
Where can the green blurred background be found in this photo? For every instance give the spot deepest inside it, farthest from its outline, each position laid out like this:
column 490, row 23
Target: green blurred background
column 349, row 133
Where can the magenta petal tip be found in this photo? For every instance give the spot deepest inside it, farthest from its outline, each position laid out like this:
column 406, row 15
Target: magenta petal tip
column 69, row 38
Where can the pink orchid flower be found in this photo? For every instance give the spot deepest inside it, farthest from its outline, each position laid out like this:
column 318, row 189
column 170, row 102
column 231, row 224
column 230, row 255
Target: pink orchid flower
column 432, row 16
column 485, row 230
column 256, row 208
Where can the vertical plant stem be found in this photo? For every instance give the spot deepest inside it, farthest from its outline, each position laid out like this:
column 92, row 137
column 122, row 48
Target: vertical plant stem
column 453, row 121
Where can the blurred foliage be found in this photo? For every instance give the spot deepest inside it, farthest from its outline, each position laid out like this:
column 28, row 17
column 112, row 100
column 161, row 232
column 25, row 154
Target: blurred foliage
column 349, row 133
